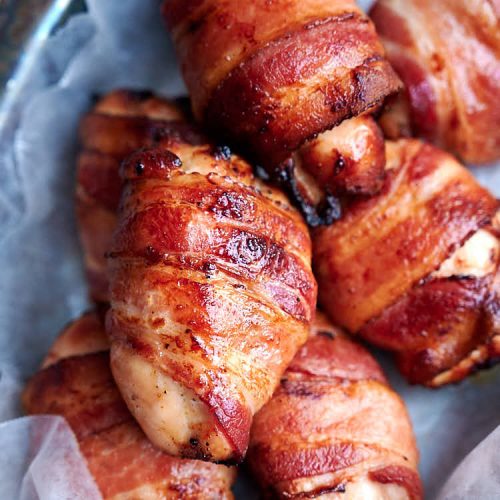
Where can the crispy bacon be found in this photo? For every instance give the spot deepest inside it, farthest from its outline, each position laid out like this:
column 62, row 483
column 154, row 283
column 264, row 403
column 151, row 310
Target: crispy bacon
column 212, row 294
column 78, row 385
column 274, row 74
column 334, row 426
column 414, row 269
column 448, row 55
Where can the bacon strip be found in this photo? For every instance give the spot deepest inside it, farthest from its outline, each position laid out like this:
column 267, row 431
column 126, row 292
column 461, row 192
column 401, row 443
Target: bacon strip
column 77, row 384
column 202, row 244
column 121, row 122
column 334, row 425
column 275, row 74
column 413, row 269
column 448, row 55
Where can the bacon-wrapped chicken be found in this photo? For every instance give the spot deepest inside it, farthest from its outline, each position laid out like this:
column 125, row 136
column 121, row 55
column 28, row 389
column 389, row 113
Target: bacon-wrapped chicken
column 76, row 383
column 225, row 245
column 448, row 55
column 415, row 268
column 212, row 295
column 334, row 428
column 271, row 74
column 120, row 123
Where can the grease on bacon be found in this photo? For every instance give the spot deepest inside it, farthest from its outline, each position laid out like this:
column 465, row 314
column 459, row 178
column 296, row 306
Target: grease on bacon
column 211, row 291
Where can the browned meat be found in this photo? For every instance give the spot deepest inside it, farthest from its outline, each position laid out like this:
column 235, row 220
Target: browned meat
column 415, row 269
column 274, row 74
column 334, row 429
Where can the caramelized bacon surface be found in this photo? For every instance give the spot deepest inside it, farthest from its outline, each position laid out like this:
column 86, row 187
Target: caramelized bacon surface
column 78, row 385
column 447, row 326
column 276, row 73
column 202, row 245
column 211, row 296
column 334, row 428
column 448, row 55
column 414, row 269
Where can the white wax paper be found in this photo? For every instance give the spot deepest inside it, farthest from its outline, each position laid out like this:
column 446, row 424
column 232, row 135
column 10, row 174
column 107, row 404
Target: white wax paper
column 478, row 475
column 41, row 459
column 123, row 44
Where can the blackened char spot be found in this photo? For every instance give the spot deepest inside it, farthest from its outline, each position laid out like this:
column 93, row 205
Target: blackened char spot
column 152, row 255
column 195, row 25
column 339, row 165
column 324, row 214
column 195, row 451
column 139, row 168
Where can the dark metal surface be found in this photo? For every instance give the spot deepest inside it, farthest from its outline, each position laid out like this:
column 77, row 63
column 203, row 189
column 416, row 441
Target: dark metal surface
column 23, row 20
